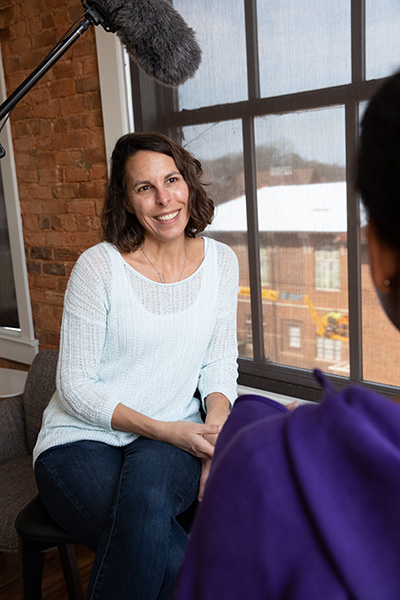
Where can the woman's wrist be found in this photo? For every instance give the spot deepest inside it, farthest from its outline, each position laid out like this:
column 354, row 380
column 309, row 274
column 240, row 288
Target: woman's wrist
column 218, row 407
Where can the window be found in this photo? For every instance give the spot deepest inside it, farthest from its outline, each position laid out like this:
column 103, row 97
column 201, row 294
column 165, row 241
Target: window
column 291, row 337
column 17, row 340
column 264, row 266
column 328, row 349
column 327, row 267
column 273, row 115
column 8, row 300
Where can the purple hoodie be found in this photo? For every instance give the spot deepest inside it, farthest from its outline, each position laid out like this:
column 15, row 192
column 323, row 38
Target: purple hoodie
column 302, row 505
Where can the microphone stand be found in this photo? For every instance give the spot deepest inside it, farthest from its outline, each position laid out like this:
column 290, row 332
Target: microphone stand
column 93, row 15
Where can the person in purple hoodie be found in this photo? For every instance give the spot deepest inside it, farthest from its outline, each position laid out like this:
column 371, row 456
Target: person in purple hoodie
column 305, row 504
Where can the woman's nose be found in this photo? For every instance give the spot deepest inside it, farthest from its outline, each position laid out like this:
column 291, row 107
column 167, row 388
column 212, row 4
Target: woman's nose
column 163, row 197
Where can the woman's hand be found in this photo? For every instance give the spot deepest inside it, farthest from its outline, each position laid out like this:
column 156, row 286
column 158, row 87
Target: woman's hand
column 184, row 434
column 191, row 437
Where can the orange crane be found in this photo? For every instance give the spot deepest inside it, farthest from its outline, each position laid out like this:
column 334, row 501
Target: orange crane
column 333, row 325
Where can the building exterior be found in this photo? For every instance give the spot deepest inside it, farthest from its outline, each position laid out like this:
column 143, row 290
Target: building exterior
column 303, row 260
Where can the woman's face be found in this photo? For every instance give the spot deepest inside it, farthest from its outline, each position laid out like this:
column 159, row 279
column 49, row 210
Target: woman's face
column 158, row 195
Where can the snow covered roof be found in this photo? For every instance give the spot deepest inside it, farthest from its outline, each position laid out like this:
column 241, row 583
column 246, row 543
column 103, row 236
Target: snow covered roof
column 319, row 207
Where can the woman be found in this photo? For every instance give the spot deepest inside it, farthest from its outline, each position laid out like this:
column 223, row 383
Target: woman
column 149, row 318
column 304, row 505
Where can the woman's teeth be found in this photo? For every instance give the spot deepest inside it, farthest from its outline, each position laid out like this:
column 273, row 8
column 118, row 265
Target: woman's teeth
column 168, row 217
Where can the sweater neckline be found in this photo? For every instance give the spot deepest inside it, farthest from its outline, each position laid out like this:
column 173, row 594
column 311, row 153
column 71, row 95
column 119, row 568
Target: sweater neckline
column 164, row 285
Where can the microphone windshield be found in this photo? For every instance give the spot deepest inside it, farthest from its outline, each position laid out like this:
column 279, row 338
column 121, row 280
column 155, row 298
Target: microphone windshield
column 155, row 36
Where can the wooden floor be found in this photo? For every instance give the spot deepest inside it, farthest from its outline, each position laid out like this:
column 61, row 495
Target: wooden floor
column 53, row 581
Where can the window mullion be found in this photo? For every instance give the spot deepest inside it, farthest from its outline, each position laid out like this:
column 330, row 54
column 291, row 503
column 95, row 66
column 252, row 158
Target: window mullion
column 358, row 40
column 253, row 238
column 253, row 71
column 353, row 246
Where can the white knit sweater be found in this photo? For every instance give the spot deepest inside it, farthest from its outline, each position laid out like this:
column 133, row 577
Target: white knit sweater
column 125, row 338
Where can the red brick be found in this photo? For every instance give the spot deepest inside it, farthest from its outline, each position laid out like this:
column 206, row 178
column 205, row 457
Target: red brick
column 45, row 282
column 79, row 139
column 55, row 238
column 72, row 105
column 89, row 83
column 20, row 45
column 82, row 207
column 63, row 88
column 30, row 222
column 29, row 207
column 54, row 207
column 44, row 39
column 64, row 254
column 54, row 269
column 48, row 22
column 54, row 298
column 65, row 191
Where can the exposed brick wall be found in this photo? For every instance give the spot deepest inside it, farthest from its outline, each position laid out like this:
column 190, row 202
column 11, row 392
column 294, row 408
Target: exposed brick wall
column 59, row 149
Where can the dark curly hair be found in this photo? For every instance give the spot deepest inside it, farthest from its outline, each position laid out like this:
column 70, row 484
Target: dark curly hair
column 121, row 227
column 378, row 168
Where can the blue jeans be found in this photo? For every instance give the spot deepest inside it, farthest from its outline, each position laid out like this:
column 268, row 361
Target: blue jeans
column 122, row 503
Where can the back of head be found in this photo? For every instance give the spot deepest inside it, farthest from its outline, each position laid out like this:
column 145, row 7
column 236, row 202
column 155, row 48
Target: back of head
column 379, row 161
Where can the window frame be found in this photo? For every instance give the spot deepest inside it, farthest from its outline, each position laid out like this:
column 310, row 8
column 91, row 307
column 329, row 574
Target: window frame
column 155, row 109
column 20, row 344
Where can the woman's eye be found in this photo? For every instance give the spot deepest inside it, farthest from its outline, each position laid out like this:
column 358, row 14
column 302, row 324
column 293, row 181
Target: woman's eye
column 172, row 179
column 143, row 188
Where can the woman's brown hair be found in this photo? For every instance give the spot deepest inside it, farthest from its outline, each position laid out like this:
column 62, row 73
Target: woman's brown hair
column 121, row 227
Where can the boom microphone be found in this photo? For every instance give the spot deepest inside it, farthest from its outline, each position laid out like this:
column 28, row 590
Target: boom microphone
column 155, row 35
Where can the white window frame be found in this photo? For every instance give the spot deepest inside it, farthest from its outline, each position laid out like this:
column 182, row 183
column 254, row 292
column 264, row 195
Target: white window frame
column 15, row 344
column 115, row 88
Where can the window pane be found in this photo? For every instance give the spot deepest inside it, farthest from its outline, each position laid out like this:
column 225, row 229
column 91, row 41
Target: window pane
column 302, row 221
column 303, row 45
column 380, row 338
column 382, row 37
column 220, row 31
column 219, row 147
column 8, row 300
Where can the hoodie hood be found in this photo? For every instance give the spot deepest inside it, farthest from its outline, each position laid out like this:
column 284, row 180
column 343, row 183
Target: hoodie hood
column 302, row 505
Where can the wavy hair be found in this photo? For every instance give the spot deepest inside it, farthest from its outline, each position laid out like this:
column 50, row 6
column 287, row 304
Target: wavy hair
column 121, row 227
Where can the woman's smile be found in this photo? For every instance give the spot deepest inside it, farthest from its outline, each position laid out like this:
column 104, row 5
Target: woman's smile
column 167, row 218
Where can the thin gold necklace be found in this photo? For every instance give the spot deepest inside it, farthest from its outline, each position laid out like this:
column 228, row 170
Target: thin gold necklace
column 161, row 277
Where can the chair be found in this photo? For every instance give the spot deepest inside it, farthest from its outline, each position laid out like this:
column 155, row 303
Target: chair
column 24, row 523
column 36, row 530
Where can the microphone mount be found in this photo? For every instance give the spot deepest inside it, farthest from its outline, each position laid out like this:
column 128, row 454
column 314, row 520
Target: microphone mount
column 94, row 15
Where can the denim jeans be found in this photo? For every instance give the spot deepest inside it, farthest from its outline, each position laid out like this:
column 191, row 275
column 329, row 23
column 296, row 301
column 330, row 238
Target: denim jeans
column 122, row 503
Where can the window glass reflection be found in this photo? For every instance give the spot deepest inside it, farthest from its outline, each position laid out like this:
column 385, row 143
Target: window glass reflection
column 219, row 147
column 220, row 31
column 382, row 37
column 302, row 220
column 303, row 45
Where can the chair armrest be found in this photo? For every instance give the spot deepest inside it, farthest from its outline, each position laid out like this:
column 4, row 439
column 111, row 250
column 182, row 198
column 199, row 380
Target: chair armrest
column 13, row 443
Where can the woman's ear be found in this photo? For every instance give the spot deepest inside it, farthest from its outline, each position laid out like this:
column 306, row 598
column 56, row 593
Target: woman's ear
column 384, row 260
column 385, row 269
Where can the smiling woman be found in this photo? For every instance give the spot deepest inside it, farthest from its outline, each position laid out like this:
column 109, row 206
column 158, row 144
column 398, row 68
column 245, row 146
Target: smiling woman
column 148, row 343
column 158, row 196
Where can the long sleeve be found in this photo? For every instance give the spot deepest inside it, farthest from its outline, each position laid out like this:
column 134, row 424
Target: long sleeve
column 145, row 344
column 219, row 368
column 82, row 340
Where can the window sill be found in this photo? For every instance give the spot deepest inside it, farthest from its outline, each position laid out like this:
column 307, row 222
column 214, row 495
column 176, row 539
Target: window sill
column 14, row 347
